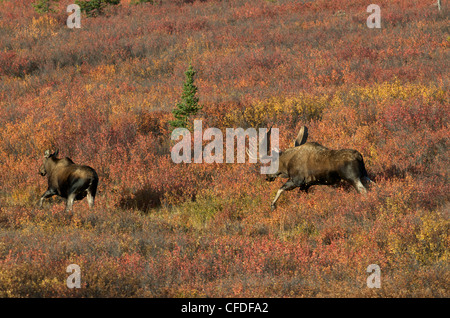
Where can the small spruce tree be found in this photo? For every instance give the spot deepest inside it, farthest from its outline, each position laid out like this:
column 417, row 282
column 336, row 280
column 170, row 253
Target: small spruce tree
column 189, row 101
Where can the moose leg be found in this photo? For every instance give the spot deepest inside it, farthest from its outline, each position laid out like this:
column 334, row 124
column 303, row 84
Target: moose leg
column 69, row 203
column 305, row 188
column 91, row 192
column 366, row 181
column 90, row 199
column 357, row 184
column 49, row 193
column 289, row 185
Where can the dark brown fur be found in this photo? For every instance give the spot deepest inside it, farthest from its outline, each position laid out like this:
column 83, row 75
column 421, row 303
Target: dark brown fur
column 68, row 180
column 309, row 163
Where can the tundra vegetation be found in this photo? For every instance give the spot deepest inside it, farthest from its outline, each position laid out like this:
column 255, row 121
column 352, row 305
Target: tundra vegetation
column 103, row 95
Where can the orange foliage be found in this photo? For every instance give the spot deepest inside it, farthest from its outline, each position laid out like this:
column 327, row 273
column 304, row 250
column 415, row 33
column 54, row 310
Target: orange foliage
column 103, row 94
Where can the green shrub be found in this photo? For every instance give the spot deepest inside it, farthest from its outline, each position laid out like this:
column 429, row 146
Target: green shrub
column 95, row 7
column 43, row 6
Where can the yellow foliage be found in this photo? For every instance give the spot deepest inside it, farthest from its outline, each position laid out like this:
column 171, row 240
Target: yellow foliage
column 258, row 114
column 433, row 240
column 261, row 112
column 50, row 283
column 6, row 284
column 22, row 195
column 309, row 105
column 397, row 204
column 42, row 26
column 396, row 90
column 102, row 72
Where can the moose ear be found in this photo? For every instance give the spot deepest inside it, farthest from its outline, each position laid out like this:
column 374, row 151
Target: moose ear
column 301, row 137
column 47, row 153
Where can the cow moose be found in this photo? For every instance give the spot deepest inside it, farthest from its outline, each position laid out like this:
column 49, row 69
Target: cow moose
column 68, row 180
column 309, row 163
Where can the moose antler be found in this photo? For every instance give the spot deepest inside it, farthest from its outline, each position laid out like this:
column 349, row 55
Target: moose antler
column 269, row 142
column 251, row 155
column 301, row 137
column 48, row 155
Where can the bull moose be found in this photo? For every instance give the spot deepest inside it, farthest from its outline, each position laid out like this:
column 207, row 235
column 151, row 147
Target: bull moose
column 309, row 163
column 68, row 180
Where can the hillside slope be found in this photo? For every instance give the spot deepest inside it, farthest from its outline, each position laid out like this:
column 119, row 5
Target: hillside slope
column 102, row 94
